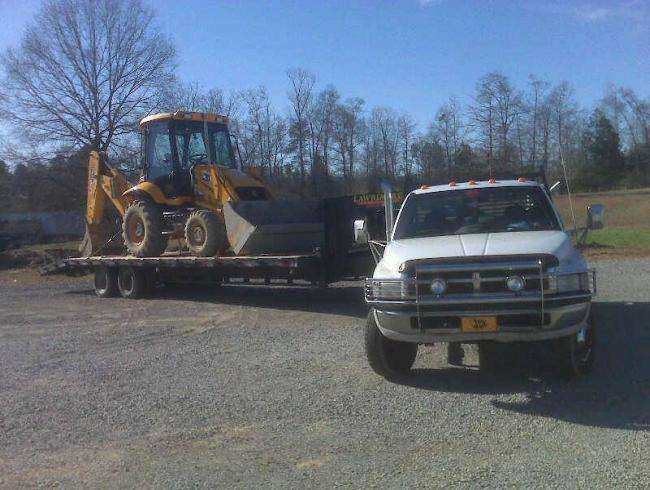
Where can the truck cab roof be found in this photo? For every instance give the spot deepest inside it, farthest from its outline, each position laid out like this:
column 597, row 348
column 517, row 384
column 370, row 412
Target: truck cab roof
column 478, row 184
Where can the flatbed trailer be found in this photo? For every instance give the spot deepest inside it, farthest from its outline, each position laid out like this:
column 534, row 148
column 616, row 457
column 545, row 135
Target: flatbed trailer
column 133, row 277
column 339, row 259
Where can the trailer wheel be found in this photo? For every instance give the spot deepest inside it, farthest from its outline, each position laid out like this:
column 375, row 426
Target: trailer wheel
column 205, row 233
column 142, row 230
column 576, row 353
column 388, row 358
column 106, row 282
column 131, row 282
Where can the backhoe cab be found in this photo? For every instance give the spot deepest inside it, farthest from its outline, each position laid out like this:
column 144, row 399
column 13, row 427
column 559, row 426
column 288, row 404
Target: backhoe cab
column 191, row 187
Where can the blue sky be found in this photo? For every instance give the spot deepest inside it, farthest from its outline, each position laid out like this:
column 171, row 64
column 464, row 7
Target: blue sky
column 410, row 55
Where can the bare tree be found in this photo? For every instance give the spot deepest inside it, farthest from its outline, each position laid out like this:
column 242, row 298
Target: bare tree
column 300, row 97
column 85, row 71
column 179, row 96
column 265, row 131
column 348, row 134
column 537, row 96
column 406, row 134
column 321, row 122
column 448, row 129
column 496, row 109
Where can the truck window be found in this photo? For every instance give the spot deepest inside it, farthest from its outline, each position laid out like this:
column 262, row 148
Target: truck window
column 479, row 210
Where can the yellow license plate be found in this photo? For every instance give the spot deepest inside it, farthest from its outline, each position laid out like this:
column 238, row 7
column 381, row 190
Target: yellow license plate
column 479, row 324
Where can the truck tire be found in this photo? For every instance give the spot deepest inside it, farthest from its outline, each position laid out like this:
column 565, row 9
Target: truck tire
column 106, row 282
column 388, row 358
column 205, row 233
column 142, row 230
column 131, row 282
column 576, row 353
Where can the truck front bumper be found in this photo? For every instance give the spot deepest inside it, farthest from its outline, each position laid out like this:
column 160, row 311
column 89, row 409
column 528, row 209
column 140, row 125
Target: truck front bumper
column 405, row 321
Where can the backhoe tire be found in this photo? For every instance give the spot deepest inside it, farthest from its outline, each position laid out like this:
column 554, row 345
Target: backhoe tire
column 388, row 358
column 205, row 233
column 106, row 282
column 131, row 282
column 142, row 230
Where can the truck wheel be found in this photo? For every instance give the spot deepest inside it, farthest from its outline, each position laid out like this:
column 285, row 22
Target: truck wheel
column 576, row 353
column 388, row 358
column 131, row 282
column 106, row 282
column 142, row 230
column 205, row 233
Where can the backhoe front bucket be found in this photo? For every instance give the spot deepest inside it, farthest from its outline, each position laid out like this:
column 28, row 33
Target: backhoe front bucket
column 273, row 227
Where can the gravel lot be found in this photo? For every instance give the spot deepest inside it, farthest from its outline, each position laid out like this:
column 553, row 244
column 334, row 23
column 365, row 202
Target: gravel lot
column 244, row 387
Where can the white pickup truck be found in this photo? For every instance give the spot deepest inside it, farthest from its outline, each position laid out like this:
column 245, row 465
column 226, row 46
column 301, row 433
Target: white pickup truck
column 483, row 262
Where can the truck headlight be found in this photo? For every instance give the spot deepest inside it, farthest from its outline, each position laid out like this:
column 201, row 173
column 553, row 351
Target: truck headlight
column 389, row 289
column 567, row 283
column 515, row 283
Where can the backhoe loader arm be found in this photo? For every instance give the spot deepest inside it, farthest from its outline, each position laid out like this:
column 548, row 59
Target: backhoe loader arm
column 105, row 184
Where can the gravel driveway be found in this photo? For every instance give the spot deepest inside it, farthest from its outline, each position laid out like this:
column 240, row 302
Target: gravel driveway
column 252, row 386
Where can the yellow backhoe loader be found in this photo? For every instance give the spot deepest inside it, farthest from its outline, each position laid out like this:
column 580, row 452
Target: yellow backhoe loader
column 191, row 186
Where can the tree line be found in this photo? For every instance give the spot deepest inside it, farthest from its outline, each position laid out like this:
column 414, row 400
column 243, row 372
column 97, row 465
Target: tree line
column 87, row 71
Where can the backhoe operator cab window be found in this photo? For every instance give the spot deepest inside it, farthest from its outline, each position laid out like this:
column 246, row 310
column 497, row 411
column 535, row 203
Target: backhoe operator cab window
column 159, row 152
column 176, row 146
column 193, row 149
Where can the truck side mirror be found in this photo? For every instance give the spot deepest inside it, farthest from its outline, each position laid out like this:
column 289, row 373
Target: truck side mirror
column 595, row 216
column 360, row 232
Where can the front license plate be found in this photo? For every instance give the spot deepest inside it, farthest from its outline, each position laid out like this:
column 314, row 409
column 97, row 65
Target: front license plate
column 479, row 324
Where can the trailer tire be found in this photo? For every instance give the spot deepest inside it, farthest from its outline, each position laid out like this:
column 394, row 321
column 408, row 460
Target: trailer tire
column 106, row 282
column 388, row 358
column 205, row 233
column 131, row 282
column 576, row 353
column 142, row 230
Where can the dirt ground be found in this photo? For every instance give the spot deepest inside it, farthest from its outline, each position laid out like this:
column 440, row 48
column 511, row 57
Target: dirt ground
column 256, row 386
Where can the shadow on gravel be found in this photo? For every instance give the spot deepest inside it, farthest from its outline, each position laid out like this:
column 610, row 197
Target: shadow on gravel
column 616, row 395
column 343, row 300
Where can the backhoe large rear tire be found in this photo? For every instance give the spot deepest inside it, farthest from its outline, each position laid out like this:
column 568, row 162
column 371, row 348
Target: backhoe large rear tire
column 205, row 233
column 142, row 230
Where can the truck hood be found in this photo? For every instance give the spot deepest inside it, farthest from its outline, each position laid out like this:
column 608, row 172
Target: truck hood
column 555, row 243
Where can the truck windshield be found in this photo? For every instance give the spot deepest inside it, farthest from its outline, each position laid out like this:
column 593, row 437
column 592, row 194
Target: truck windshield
column 192, row 148
column 479, row 210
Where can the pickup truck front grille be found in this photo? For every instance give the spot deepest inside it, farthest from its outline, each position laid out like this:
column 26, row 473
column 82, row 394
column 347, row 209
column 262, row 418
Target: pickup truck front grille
column 485, row 277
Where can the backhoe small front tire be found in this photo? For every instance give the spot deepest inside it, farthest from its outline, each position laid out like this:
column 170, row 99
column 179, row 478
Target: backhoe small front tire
column 205, row 233
column 106, row 282
column 142, row 230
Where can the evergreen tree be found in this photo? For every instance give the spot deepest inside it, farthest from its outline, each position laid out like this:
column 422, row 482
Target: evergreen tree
column 604, row 159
